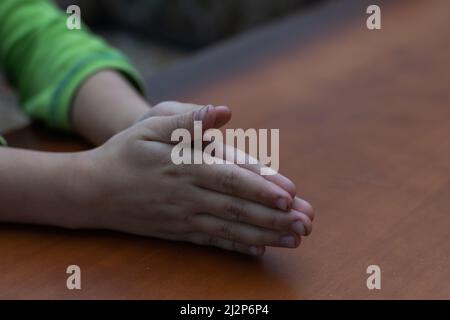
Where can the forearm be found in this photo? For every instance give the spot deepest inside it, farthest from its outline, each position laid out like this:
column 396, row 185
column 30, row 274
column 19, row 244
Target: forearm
column 56, row 188
column 104, row 105
column 43, row 188
column 47, row 64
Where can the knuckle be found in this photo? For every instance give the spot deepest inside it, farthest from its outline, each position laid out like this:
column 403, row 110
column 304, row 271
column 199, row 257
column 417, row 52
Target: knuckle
column 228, row 180
column 236, row 211
column 226, row 231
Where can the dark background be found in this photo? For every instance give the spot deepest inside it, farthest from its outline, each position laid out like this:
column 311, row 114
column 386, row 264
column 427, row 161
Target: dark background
column 155, row 34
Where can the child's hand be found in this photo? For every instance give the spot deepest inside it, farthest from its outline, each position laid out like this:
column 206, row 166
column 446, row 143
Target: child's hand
column 136, row 188
column 222, row 116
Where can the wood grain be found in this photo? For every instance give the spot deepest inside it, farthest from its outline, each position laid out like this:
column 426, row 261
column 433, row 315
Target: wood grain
column 364, row 118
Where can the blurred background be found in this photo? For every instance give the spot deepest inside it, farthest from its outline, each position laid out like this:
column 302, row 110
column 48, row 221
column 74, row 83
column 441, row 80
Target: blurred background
column 155, row 34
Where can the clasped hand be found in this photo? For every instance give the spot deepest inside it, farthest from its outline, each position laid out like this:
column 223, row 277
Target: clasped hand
column 139, row 190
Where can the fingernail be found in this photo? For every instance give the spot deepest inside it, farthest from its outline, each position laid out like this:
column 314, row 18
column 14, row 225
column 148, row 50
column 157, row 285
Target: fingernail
column 254, row 251
column 287, row 241
column 298, row 228
column 282, row 204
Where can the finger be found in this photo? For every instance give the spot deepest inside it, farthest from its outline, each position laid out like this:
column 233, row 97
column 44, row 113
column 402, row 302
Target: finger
column 161, row 128
column 233, row 180
column 249, row 162
column 207, row 240
column 223, row 113
column 242, row 233
column 223, row 116
column 306, row 222
column 304, row 206
column 170, row 108
column 244, row 211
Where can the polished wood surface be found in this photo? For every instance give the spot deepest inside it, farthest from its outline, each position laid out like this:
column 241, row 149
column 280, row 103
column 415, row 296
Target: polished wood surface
column 364, row 119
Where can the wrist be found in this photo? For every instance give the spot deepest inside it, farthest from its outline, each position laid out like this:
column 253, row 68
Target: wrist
column 79, row 188
column 106, row 104
column 47, row 188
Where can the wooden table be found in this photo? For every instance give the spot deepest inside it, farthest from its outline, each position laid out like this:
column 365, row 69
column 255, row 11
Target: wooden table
column 365, row 134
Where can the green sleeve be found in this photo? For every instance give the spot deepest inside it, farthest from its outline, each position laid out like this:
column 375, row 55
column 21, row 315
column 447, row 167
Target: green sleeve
column 47, row 62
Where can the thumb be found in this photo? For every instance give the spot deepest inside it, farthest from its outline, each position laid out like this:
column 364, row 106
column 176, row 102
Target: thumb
column 161, row 128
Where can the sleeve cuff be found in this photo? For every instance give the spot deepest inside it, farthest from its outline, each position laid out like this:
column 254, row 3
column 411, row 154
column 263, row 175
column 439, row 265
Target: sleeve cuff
column 61, row 100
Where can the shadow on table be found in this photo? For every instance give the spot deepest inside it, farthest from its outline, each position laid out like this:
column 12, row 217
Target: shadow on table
column 116, row 265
